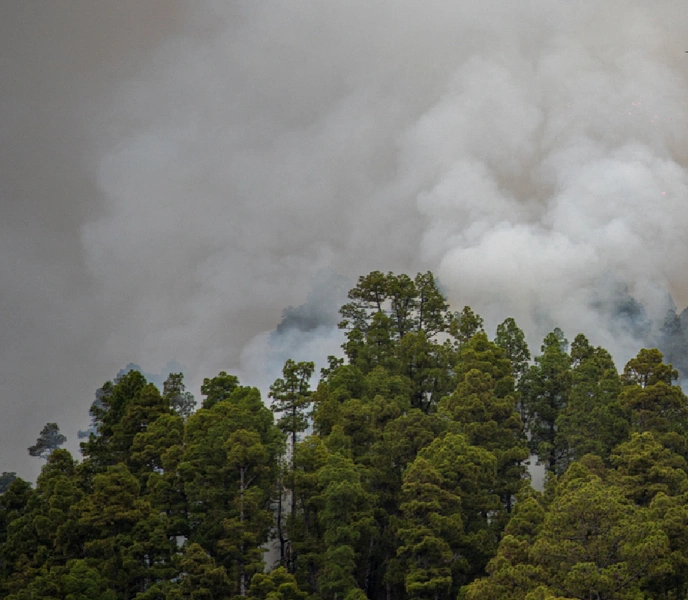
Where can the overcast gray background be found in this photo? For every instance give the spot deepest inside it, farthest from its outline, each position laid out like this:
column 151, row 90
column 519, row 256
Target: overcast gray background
column 174, row 175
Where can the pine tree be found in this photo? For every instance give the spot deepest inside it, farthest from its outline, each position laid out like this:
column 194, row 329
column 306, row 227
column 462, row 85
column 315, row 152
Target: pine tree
column 653, row 402
column 431, row 532
column 593, row 421
column 105, row 445
column 292, row 399
column 461, row 478
column 218, row 388
column 201, row 578
column 512, row 339
column 645, row 468
column 589, row 542
column 228, row 468
column 545, row 390
column 6, row 480
column 483, row 406
column 124, row 535
column 347, row 523
column 48, row 441
column 181, row 402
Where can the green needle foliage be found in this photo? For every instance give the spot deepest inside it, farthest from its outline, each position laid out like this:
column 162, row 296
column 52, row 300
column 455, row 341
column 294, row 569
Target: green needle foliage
column 397, row 474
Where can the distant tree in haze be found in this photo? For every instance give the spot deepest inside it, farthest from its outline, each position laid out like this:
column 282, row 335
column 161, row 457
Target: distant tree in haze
column 6, row 480
column 174, row 391
column 48, row 441
column 673, row 343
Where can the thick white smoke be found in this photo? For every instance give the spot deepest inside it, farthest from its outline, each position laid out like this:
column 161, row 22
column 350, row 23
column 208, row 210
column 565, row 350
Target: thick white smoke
column 532, row 154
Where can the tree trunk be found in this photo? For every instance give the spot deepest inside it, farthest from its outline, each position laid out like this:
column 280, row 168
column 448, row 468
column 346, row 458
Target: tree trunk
column 242, row 566
column 280, row 525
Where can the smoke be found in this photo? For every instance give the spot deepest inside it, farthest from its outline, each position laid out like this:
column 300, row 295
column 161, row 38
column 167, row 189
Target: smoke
column 174, row 175
column 307, row 332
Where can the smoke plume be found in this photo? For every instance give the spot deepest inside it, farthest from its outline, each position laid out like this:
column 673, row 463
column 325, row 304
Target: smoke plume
column 173, row 175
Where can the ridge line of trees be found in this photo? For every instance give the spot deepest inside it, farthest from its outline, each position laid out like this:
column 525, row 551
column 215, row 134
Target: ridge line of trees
column 400, row 475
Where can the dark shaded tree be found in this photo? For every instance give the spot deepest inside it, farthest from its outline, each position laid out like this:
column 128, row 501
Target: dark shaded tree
column 545, row 390
column 49, row 440
column 6, row 480
column 174, row 392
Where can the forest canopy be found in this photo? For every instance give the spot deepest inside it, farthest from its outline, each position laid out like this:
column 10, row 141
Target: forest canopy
column 398, row 472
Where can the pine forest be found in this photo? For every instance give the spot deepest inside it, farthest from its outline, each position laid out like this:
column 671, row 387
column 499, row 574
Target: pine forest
column 401, row 471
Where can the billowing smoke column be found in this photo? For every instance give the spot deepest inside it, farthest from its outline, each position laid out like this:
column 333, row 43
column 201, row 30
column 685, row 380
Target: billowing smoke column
column 220, row 156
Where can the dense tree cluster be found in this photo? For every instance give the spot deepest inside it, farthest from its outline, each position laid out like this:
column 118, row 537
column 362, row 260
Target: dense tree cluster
column 401, row 474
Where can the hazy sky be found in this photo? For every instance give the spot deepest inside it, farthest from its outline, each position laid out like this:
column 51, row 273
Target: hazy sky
column 174, row 175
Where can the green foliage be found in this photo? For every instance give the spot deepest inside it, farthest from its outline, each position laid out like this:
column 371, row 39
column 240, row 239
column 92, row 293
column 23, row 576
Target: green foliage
column 545, row 390
column 292, row 398
column 82, row 582
column 201, row 578
column 511, row 576
column 645, row 468
column 291, row 394
column 123, row 533
column 591, row 543
column 671, row 580
column 464, row 325
column 513, row 341
column 392, row 321
column 483, row 406
column 431, row 531
column 228, row 468
column 427, row 366
column 218, row 388
column 446, row 535
column 653, row 402
column 409, row 304
column 347, row 522
column 306, row 546
column 276, row 585
column 401, row 475
column 124, row 408
column 593, row 421
column 406, row 436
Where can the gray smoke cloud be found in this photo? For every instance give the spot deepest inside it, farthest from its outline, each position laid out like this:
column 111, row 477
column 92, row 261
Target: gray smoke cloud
column 307, row 332
column 173, row 175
